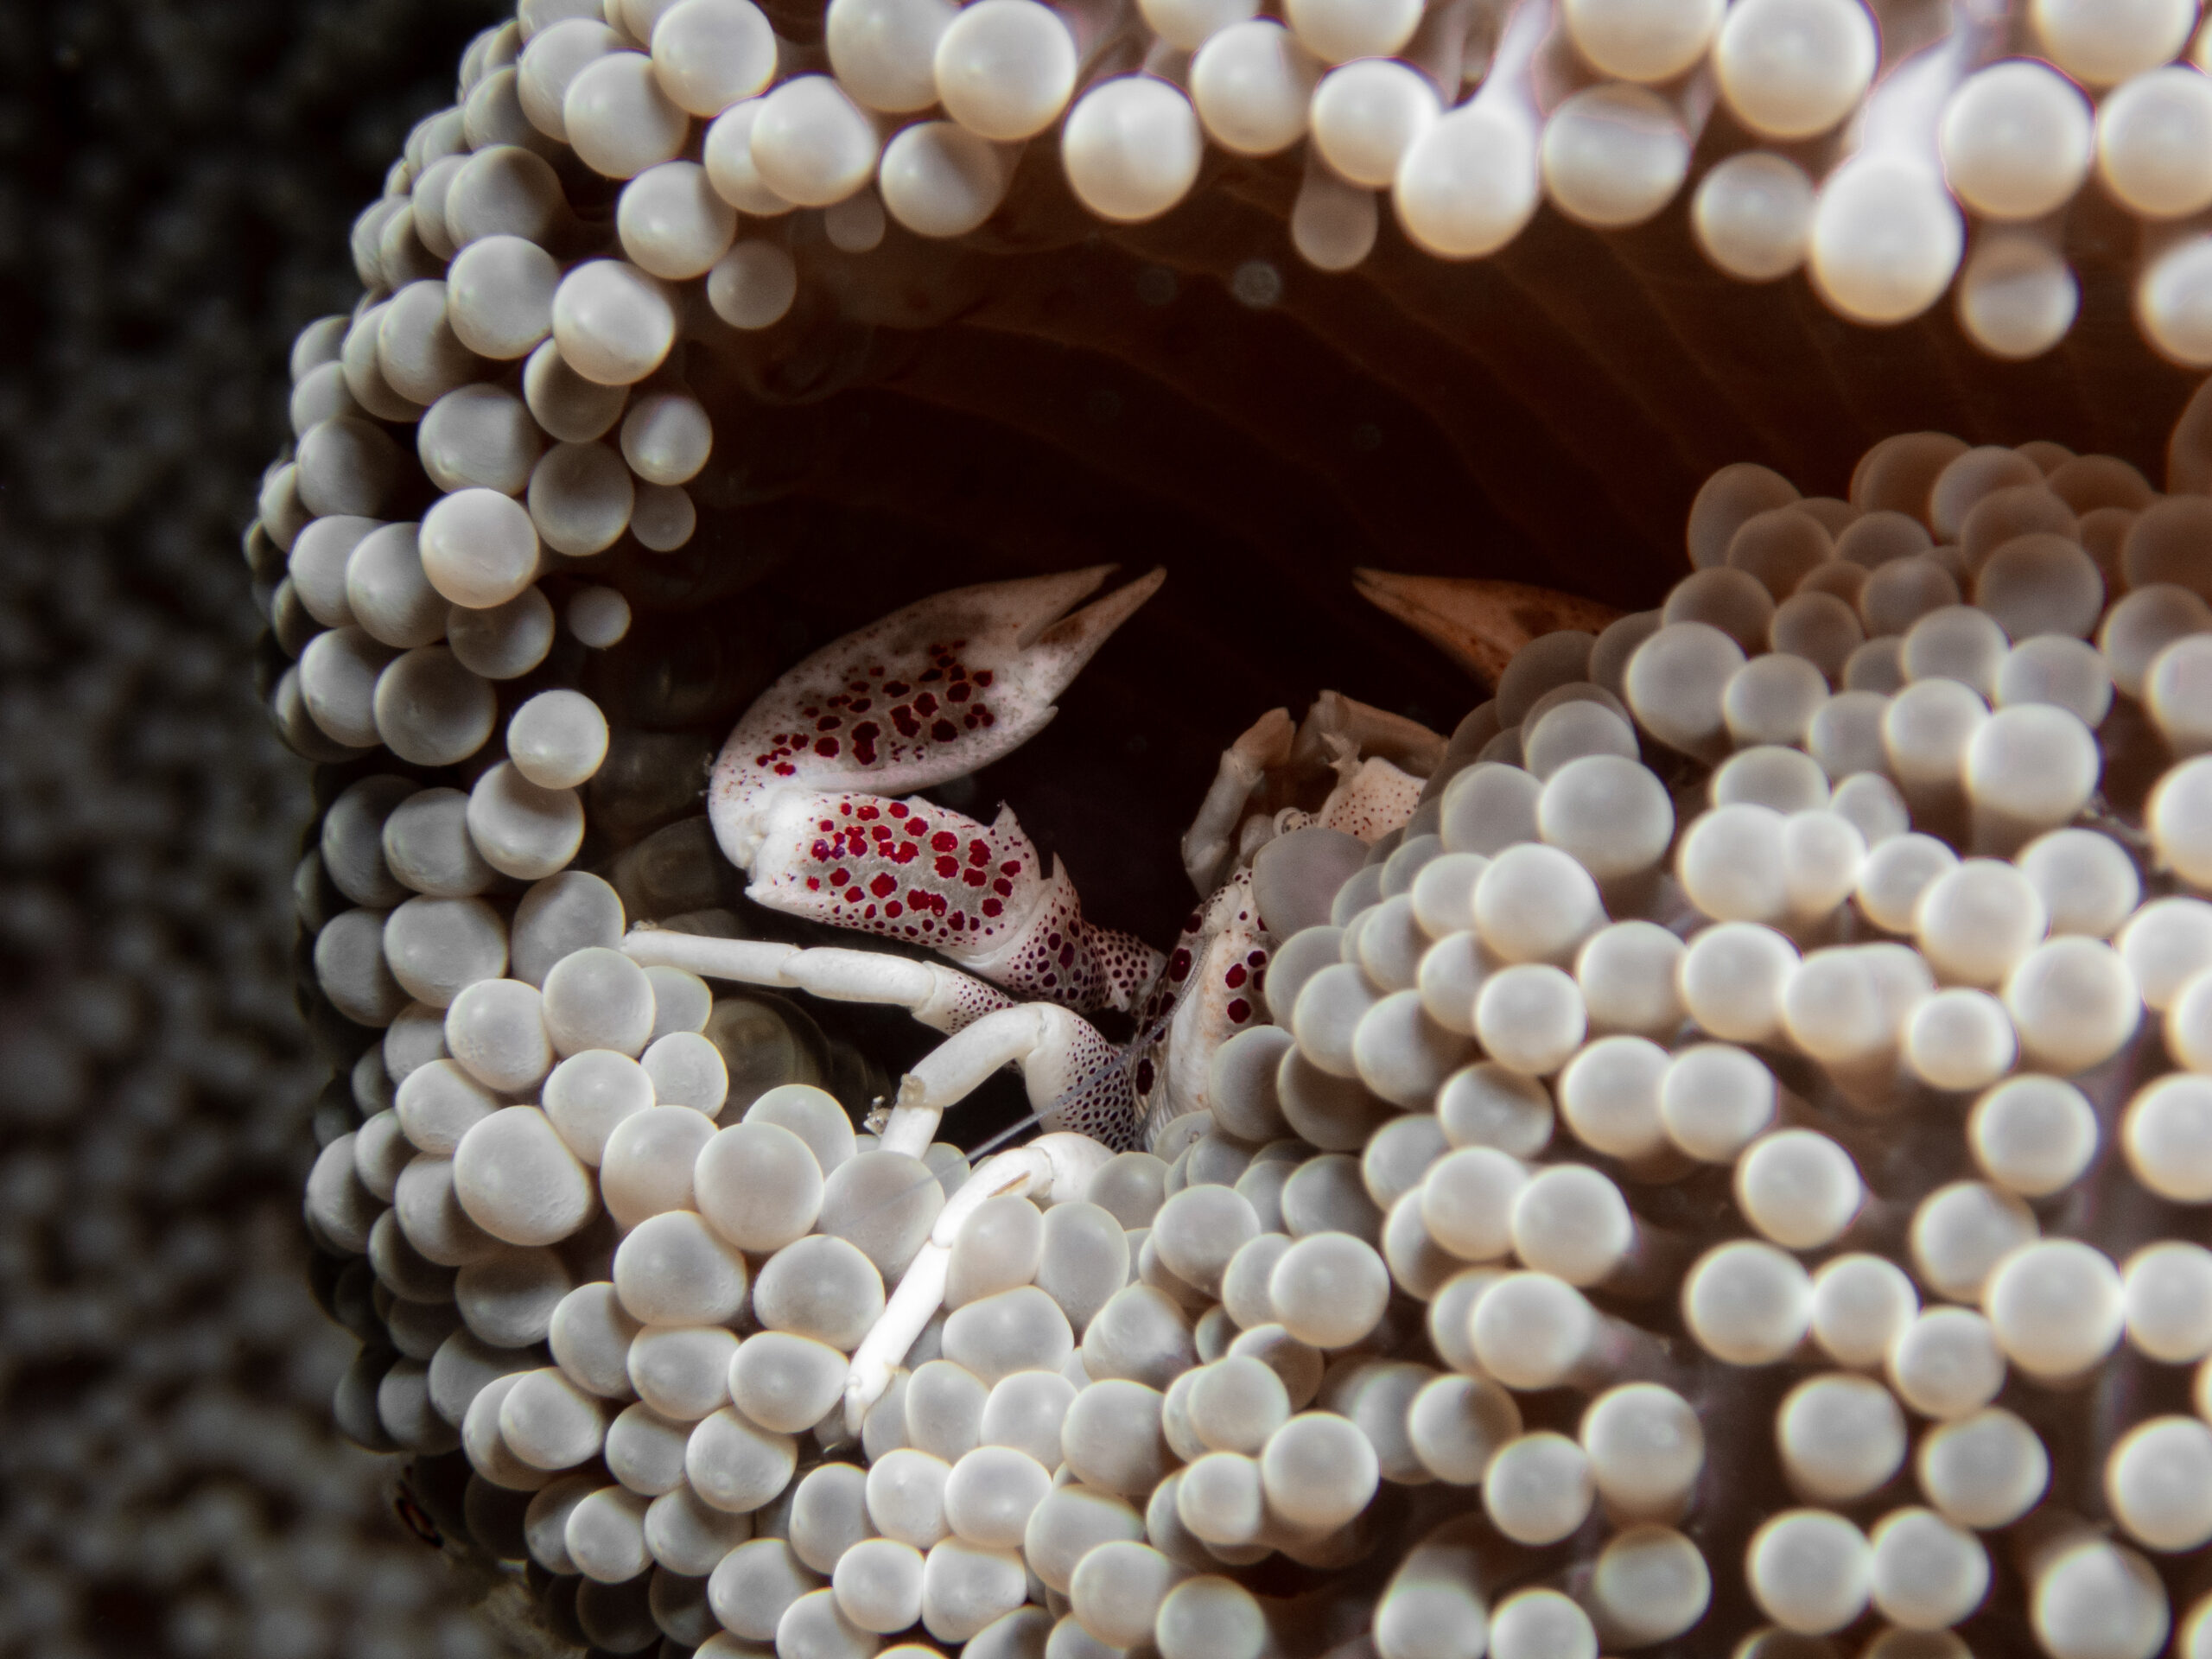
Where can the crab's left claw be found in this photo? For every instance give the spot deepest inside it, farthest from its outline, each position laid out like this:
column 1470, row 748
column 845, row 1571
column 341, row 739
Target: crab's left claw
column 927, row 693
column 1478, row 624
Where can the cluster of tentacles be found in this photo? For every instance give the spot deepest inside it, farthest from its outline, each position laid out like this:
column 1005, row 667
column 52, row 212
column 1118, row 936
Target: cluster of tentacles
column 1726, row 1177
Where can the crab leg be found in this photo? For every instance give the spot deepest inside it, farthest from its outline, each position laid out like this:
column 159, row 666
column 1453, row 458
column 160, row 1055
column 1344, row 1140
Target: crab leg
column 1210, row 842
column 1075, row 1076
column 942, row 998
column 1076, row 1079
column 1057, row 1166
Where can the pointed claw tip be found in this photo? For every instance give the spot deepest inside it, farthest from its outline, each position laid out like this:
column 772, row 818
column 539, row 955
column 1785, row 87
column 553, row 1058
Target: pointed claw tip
column 1069, row 588
column 1080, row 633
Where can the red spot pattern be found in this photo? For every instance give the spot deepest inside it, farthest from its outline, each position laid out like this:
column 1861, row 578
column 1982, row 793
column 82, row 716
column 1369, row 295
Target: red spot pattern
column 948, row 704
column 1064, row 959
column 910, row 870
column 893, row 868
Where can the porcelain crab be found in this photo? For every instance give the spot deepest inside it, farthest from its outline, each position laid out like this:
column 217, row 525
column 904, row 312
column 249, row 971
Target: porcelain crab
column 801, row 798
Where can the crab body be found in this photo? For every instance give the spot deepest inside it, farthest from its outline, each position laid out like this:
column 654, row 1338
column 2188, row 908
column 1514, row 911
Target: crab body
column 927, row 695
column 798, row 799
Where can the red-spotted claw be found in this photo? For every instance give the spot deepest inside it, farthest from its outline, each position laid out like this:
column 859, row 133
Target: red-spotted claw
column 925, row 695
column 798, row 798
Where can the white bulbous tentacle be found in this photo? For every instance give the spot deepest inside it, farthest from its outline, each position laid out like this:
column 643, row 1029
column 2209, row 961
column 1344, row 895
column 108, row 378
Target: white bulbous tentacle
column 1905, row 108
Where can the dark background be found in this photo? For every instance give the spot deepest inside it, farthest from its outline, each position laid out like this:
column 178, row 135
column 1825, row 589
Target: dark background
column 175, row 185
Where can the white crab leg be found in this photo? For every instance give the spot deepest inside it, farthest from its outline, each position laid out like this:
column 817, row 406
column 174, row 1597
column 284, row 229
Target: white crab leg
column 749, row 961
column 1207, row 844
column 1073, row 1075
column 1043, row 1039
column 1075, row 1078
column 1057, row 1166
column 942, row 998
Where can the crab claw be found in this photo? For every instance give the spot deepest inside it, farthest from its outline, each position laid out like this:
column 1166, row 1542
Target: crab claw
column 927, row 693
column 1478, row 624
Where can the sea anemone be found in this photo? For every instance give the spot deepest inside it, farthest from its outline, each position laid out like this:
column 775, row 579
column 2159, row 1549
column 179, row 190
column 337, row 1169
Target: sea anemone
column 1711, row 1181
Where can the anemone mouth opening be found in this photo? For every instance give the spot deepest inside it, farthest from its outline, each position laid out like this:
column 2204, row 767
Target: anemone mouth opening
column 1187, row 392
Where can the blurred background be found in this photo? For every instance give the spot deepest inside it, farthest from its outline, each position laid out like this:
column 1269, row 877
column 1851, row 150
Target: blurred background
column 176, row 181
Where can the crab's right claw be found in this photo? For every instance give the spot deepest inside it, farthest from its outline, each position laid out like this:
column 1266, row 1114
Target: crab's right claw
column 1479, row 624
column 927, row 693
column 1054, row 653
